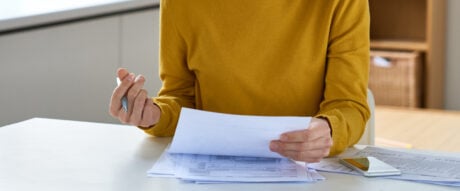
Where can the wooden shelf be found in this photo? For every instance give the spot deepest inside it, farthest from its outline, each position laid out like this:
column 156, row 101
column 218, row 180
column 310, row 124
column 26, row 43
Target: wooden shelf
column 414, row 25
column 399, row 45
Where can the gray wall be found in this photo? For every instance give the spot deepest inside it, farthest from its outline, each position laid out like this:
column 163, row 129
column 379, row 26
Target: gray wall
column 452, row 91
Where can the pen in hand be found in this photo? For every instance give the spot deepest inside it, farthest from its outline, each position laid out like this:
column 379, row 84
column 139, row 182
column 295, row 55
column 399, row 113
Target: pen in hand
column 124, row 99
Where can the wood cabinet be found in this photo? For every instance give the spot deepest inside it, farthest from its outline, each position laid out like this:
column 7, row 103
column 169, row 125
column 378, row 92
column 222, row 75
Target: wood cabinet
column 414, row 25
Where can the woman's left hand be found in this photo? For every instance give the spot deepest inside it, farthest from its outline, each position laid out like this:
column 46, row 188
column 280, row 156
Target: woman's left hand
column 309, row 145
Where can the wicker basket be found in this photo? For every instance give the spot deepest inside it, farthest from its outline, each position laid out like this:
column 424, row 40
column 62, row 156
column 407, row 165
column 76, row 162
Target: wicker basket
column 395, row 78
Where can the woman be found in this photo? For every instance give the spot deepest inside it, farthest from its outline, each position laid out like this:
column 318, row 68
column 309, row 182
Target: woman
column 279, row 58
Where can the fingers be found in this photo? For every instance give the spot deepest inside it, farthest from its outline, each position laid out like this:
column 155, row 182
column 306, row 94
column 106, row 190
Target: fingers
column 134, row 91
column 307, row 156
column 136, row 96
column 141, row 109
column 118, row 93
column 138, row 107
column 307, row 151
column 310, row 145
column 146, row 113
column 312, row 133
column 151, row 114
column 320, row 143
column 122, row 73
column 126, row 79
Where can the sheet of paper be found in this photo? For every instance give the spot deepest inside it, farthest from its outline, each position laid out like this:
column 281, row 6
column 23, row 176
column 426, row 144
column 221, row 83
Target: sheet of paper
column 163, row 167
column 240, row 169
column 210, row 133
column 426, row 168
column 206, row 169
column 417, row 164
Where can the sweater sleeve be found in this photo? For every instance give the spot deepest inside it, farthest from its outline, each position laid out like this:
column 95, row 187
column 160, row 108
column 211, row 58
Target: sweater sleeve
column 178, row 89
column 345, row 97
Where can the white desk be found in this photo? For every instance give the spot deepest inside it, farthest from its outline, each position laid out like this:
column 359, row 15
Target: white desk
column 47, row 154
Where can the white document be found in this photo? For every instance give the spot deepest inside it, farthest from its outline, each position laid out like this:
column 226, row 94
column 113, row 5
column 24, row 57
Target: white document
column 417, row 164
column 164, row 166
column 210, row 133
column 212, row 168
column 206, row 169
column 211, row 147
column 433, row 169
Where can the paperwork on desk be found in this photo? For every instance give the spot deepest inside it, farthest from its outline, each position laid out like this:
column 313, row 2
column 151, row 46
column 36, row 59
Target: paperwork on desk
column 425, row 168
column 211, row 133
column 224, row 169
column 211, row 147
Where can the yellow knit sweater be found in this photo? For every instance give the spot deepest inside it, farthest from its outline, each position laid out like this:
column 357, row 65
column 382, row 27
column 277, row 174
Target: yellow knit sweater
column 259, row 57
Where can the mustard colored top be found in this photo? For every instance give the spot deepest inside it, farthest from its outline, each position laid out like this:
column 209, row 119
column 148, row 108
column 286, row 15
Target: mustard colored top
column 259, row 57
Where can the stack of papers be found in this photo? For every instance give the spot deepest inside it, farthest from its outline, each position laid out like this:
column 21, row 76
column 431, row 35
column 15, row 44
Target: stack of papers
column 425, row 168
column 211, row 147
column 221, row 169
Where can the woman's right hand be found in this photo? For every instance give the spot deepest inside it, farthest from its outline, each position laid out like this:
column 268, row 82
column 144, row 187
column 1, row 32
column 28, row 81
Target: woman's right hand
column 141, row 111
